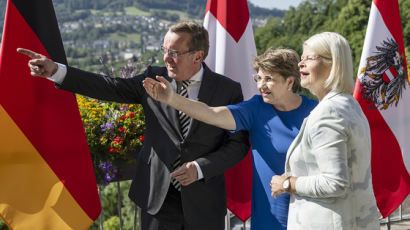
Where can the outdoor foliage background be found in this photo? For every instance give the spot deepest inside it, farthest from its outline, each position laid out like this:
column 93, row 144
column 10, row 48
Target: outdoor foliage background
column 120, row 128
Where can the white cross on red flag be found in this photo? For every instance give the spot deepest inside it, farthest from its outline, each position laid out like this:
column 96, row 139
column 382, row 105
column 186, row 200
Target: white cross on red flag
column 231, row 53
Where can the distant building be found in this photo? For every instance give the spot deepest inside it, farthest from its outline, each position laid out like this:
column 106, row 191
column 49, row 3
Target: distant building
column 152, row 48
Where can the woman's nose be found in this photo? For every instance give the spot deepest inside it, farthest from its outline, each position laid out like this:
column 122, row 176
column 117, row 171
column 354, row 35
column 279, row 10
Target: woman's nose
column 261, row 84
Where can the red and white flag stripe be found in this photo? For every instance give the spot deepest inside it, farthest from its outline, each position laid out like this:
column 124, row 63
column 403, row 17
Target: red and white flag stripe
column 382, row 88
column 232, row 46
column 231, row 53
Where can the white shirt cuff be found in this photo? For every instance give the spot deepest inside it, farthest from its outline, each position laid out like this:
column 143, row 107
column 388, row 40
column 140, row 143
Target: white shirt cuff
column 59, row 76
column 198, row 169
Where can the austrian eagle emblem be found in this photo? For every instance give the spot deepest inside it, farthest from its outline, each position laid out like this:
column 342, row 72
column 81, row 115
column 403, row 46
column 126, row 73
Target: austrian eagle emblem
column 384, row 77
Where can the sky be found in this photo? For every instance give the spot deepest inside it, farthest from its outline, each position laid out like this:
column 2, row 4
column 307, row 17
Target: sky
column 279, row 4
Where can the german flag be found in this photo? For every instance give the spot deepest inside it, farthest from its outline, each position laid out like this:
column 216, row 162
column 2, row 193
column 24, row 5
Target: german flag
column 46, row 173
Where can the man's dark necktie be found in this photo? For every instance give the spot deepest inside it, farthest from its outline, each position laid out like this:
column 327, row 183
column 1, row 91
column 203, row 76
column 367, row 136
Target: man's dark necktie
column 184, row 122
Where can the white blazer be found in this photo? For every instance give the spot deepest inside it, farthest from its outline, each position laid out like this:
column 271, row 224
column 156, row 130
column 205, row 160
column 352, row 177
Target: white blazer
column 331, row 158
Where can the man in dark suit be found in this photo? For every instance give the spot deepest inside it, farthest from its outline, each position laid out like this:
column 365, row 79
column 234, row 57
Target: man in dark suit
column 195, row 156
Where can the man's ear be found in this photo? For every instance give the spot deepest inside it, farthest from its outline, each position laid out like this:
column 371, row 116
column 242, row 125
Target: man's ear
column 199, row 56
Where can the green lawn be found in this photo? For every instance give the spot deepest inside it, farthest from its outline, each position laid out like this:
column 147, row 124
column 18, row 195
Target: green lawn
column 128, row 10
column 134, row 11
column 105, row 13
column 182, row 15
column 125, row 37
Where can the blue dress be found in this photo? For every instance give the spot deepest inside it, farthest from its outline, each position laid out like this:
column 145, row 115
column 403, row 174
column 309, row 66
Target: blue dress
column 271, row 132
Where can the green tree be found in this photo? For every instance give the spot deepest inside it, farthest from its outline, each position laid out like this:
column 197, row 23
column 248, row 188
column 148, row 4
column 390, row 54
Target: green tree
column 352, row 23
column 113, row 223
column 347, row 17
column 405, row 19
column 109, row 202
column 263, row 36
column 3, row 226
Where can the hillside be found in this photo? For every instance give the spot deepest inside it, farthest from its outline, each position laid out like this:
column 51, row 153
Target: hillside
column 347, row 17
column 67, row 9
column 170, row 10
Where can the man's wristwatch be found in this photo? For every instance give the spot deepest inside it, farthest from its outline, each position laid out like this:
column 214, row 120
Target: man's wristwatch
column 286, row 184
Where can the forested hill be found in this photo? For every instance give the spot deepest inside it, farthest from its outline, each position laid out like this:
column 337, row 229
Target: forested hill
column 73, row 10
column 347, row 17
column 195, row 8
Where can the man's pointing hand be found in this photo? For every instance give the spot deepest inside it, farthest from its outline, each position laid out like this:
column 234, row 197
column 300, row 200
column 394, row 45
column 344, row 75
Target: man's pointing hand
column 39, row 64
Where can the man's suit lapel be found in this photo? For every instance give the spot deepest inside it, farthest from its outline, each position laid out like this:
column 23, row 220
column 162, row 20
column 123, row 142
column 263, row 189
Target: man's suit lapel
column 208, row 86
column 172, row 115
column 206, row 91
column 168, row 118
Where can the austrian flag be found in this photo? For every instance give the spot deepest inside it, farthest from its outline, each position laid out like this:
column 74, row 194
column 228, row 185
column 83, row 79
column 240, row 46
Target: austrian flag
column 382, row 89
column 46, row 175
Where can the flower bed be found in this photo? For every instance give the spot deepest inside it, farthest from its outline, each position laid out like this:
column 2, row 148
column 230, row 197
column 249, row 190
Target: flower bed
column 113, row 130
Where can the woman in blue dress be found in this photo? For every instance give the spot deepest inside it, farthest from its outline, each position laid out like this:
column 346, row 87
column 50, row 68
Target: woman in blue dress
column 272, row 118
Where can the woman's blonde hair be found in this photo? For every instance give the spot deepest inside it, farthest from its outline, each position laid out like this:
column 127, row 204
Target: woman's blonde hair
column 334, row 47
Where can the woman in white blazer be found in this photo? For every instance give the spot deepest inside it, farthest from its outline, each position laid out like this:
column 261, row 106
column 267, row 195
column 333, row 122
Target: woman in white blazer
column 327, row 170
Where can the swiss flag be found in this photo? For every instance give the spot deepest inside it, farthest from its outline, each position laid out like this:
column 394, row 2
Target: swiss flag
column 231, row 53
column 382, row 89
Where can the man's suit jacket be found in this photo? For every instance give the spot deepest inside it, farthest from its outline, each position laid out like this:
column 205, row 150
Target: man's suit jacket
column 331, row 158
column 215, row 149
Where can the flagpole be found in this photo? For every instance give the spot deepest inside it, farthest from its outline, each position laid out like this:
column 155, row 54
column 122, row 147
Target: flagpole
column 119, row 202
column 101, row 214
column 228, row 220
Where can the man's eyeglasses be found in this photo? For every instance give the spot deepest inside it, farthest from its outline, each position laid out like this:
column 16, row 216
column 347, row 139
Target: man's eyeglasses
column 174, row 53
column 266, row 79
column 313, row 58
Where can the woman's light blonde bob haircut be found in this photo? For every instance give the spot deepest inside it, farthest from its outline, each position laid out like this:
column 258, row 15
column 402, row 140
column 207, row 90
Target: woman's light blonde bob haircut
column 334, row 47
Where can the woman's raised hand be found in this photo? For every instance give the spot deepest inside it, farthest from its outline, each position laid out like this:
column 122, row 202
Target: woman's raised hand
column 160, row 90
